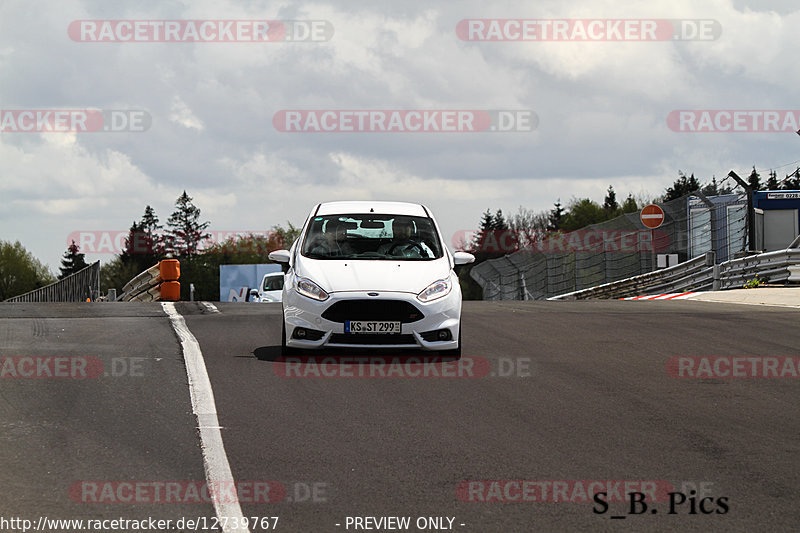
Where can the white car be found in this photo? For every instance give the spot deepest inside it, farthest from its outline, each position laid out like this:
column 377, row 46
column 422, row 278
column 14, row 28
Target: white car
column 270, row 290
column 371, row 275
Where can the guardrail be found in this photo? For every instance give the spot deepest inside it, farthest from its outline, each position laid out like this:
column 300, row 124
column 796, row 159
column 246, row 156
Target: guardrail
column 698, row 274
column 77, row 287
column 159, row 282
column 776, row 266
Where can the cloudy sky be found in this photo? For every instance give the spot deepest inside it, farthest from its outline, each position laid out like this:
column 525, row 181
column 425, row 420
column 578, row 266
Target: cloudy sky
column 602, row 110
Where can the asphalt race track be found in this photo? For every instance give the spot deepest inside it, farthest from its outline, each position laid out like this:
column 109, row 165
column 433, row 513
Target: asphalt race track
column 556, row 397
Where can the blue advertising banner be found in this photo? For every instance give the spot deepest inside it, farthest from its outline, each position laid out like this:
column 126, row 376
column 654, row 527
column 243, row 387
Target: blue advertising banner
column 235, row 281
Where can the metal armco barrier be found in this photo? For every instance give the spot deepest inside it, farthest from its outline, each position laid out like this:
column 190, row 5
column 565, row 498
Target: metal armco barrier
column 772, row 265
column 157, row 283
column 699, row 273
column 552, row 264
column 77, row 287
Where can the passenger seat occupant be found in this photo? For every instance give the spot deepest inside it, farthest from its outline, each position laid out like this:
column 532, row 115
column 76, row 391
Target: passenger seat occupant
column 333, row 242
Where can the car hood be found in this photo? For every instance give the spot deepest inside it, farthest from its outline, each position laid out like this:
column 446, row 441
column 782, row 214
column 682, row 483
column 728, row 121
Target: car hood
column 377, row 275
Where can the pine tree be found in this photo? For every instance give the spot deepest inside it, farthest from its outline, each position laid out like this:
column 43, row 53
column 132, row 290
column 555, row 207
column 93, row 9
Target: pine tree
column 754, row 180
column 484, row 232
column 134, row 243
column 151, row 228
column 72, row 262
column 712, row 189
column 792, row 181
column 140, row 252
column 629, row 205
column 506, row 238
column 681, row 187
column 185, row 229
column 772, row 181
column 610, row 205
column 499, row 221
column 555, row 218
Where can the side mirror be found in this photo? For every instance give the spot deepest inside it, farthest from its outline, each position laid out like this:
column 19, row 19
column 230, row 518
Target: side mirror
column 460, row 259
column 253, row 294
column 279, row 256
column 282, row 257
column 463, row 258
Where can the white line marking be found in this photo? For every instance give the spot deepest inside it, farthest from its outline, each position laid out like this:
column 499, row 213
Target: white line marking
column 763, row 304
column 211, row 307
column 218, row 470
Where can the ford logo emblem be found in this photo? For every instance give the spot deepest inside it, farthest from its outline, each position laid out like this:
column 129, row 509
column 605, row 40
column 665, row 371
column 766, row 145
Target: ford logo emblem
column 372, row 294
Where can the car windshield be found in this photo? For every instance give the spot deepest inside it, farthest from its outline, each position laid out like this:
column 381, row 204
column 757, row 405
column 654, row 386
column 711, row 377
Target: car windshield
column 372, row 236
column 273, row 283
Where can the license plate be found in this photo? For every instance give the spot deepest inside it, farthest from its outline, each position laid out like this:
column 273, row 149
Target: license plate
column 371, row 326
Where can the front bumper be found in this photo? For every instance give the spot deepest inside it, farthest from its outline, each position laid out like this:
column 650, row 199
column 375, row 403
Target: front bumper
column 442, row 314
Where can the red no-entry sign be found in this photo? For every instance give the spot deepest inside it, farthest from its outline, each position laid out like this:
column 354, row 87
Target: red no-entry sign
column 652, row 216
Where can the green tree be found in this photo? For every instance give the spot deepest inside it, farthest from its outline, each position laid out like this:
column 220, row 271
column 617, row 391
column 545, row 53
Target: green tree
column 754, row 180
column 144, row 246
column 681, row 187
column 581, row 213
column 499, row 222
column 610, row 205
column 137, row 252
column 152, row 230
column 186, row 232
column 629, row 205
column 20, row 272
column 116, row 273
column 792, row 181
column 529, row 227
column 507, row 239
column 772, row 182
column 286, row 236
column 556, row 215
column 72, row 262
column 485, row 229
column 712, row 189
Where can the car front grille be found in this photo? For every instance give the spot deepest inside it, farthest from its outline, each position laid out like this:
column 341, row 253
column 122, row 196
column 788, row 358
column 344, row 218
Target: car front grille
column 394, row 310
column 368, row 338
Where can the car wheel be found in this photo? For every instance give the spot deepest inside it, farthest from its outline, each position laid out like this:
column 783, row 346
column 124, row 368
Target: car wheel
column 455, row 352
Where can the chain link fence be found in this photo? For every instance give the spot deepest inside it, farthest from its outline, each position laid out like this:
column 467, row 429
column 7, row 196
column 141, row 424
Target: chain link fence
column 615, row 249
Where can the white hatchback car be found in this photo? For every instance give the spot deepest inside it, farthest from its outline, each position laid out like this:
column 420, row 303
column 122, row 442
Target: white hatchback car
column 371, row 275
column 270, row 289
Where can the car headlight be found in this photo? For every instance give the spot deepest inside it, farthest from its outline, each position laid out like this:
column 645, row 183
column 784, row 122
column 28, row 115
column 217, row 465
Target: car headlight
column 306, row 287
column 435, row 290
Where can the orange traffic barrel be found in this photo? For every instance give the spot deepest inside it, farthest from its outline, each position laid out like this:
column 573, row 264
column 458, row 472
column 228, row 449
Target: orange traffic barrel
column 170, row 291
column 170, row 269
